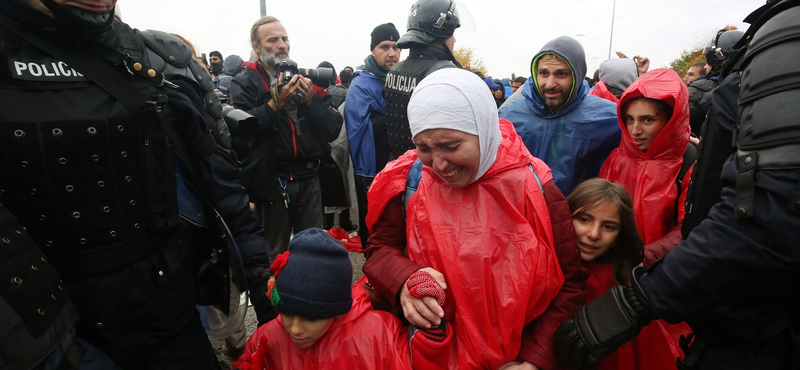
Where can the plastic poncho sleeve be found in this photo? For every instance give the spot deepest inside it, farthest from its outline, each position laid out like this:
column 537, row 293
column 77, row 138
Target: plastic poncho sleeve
column 387, row 265
column 537, row 340
column 664, row 244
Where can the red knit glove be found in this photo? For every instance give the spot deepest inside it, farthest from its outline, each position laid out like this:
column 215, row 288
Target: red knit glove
column 422, row 284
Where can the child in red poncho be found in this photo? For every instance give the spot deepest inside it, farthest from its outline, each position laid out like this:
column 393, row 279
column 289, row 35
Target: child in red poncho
column 654, row 117
column 610, row 248
column 324, row 324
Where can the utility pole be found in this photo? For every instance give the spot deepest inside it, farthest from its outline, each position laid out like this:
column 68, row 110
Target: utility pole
column 263, row 7
column 610, row 39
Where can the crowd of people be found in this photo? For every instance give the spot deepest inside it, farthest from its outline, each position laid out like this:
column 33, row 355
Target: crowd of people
column 639, row 219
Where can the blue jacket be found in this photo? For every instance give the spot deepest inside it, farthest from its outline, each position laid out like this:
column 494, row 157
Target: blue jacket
column 574, row 141
column 364, row 101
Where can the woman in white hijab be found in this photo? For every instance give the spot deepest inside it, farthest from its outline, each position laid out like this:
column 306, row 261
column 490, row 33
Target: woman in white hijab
column 478, row 224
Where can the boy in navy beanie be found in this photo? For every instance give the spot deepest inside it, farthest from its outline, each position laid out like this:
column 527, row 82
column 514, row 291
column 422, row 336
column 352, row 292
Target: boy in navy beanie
column 315, row 280
column 324, row 323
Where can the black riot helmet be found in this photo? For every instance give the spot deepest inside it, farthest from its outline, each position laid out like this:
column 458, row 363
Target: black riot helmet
column 722, row 47
column 79, row 18
column 436, row 17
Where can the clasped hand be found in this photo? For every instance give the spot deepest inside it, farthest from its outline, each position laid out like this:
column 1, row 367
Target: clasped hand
column 422, row 312
column 297, row 85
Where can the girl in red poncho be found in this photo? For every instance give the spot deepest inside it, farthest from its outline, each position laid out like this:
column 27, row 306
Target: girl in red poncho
column 478, row 221
column 610, row 248
column 654, row 117
column 324, row 324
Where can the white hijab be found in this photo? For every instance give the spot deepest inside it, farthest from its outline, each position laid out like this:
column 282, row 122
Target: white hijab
column 457, row 99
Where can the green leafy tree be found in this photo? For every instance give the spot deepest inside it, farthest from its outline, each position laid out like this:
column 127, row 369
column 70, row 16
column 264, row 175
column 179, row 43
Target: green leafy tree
column 687, row 58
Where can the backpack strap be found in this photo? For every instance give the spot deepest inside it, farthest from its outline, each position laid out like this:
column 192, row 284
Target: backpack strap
column 415, row 175
column 412, row 182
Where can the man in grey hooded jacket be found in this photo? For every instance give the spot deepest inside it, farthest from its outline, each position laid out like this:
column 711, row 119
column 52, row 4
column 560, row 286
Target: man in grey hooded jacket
column 557, row 120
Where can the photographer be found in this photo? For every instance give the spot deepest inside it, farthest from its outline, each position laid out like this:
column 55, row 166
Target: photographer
column 282, row 153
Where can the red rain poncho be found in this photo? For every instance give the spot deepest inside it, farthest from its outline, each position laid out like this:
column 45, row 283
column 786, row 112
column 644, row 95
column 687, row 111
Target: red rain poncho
column 601, row 91
column 650, row 176
column 362, row 339
column 653, row 349
column 492, row 241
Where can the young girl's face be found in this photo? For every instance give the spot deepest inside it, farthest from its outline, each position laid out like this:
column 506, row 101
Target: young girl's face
column 644, row 122
column 597, row 228
column 304, row 331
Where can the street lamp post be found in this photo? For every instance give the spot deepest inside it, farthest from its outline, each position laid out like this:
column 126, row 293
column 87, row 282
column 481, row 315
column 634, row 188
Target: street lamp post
column 263, row 7
column 580, row 37
column 611, row 38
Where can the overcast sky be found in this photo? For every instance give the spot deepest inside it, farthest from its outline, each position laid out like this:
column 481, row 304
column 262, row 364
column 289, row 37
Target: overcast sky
column 506, row 35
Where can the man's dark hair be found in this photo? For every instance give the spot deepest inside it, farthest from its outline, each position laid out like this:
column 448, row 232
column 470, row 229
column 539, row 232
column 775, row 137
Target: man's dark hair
column 702, row 66
column 217, row 53
column 520, row 79
column 345, row 76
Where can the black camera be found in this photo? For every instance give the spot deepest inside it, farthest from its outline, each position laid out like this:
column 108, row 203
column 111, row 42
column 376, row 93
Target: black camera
column 321, row 77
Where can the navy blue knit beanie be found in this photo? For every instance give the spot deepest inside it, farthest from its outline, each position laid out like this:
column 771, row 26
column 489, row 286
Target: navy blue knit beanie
column 386, row 31
column 315, row 282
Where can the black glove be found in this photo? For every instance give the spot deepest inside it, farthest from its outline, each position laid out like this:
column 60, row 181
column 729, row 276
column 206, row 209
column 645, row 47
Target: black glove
column 601, row 326
column 258, row 274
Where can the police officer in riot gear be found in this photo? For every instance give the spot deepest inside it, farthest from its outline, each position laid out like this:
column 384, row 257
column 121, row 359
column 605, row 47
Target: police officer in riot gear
column 736, row 278
column 96, row 118
column 720, row 49
column 430, row 41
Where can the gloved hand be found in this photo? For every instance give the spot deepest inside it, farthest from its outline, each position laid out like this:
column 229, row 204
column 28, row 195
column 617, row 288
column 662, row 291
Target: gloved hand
column 601, row 326
column 423, row 284
column 258, row 274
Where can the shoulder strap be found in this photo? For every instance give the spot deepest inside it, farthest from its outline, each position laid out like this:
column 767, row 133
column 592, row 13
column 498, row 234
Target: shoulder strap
column 415, row 175
column 412, row 182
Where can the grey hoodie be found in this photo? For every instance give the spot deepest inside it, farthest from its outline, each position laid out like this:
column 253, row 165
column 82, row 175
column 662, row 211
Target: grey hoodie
column 231, row 66
column 618, row 74
column 571, row 51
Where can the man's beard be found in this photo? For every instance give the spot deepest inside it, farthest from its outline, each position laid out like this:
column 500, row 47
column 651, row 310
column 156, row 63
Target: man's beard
column 270, row 59
column 555, row 104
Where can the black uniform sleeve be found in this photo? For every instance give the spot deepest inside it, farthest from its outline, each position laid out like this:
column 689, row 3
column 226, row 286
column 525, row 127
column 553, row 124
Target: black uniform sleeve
column 217, row 173
column 733, row 280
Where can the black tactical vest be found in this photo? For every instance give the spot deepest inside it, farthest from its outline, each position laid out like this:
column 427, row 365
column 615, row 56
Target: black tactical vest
column 768, row 134
column 94, row 185
column 400, row 83
column 34, row 306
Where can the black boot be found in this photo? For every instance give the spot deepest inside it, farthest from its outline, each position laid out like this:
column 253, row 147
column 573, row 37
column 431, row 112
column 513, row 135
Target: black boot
column 327, row 221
